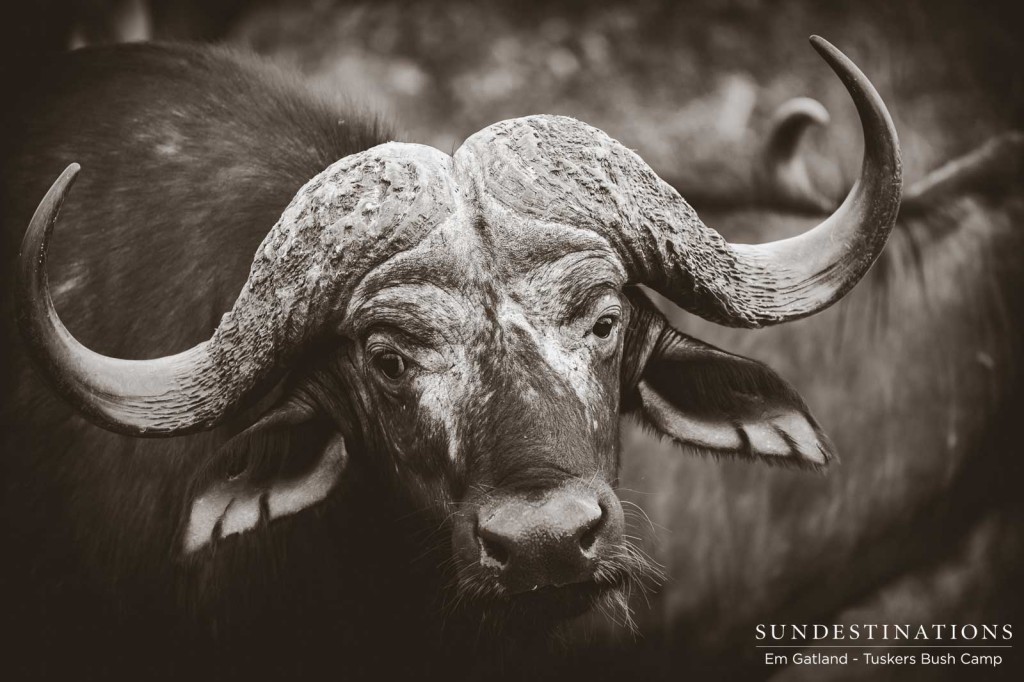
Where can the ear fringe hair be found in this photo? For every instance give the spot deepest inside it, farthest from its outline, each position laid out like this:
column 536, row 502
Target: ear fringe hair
column 797, row 463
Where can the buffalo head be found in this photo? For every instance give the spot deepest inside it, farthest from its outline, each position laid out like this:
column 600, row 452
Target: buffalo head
column 472, row 323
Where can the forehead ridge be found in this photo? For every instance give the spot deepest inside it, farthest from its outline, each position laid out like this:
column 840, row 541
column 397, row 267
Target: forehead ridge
column 470, row 255
column 487, row 242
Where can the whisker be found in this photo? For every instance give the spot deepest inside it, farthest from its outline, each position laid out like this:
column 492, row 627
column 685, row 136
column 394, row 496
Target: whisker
column 643, row 512
column 633, row 490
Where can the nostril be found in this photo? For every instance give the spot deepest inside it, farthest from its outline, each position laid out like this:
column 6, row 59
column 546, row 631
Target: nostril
column 494, row 550
column 492, row 547
column 590, row 532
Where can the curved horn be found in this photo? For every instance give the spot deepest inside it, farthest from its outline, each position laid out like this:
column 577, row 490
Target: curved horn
column 796, row 277
column 556, row 169
column 358, row 212
column 781, row 175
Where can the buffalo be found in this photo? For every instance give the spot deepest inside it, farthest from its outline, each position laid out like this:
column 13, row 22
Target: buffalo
column 429, row 353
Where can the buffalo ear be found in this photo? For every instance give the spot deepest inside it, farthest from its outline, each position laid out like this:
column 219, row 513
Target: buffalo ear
column 287, row 461
column 724, row 404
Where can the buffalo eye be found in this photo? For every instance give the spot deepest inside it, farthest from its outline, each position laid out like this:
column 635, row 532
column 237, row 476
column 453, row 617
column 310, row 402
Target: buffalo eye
column 391, row 365
column 603, row 327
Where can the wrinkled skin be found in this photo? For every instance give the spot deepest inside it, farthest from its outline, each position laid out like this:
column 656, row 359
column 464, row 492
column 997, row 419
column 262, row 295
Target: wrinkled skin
column 471, row 336
column 518, row 349
column 334, row 577
column 439, row 375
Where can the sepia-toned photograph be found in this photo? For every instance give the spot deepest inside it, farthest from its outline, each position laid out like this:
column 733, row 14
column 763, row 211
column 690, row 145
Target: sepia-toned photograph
column 506, row 340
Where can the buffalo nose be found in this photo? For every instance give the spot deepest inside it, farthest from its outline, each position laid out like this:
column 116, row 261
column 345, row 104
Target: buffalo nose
column 552, row 539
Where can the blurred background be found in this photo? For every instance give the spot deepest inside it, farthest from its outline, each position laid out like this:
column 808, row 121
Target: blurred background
column 916, row 376
column 688, row 84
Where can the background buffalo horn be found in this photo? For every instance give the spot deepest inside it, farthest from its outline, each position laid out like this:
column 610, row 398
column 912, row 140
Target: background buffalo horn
column 781, row 175
column 342, row 219
column 792, row 278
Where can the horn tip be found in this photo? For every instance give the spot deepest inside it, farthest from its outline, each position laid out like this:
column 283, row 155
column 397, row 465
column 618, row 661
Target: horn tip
column 60, row 188
column 819, row 43
column 71, row 171
column 830, row 53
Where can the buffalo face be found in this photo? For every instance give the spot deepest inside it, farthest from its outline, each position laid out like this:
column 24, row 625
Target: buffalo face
column 495, row 391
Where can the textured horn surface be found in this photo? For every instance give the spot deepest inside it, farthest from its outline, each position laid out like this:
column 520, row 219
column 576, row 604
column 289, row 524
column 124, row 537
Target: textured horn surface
column 354, row 214
column 521, row 174
column 557, row 169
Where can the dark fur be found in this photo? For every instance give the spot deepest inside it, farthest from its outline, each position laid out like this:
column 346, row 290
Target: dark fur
column 156, row 246
column 90, row 516
column 189, row 155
